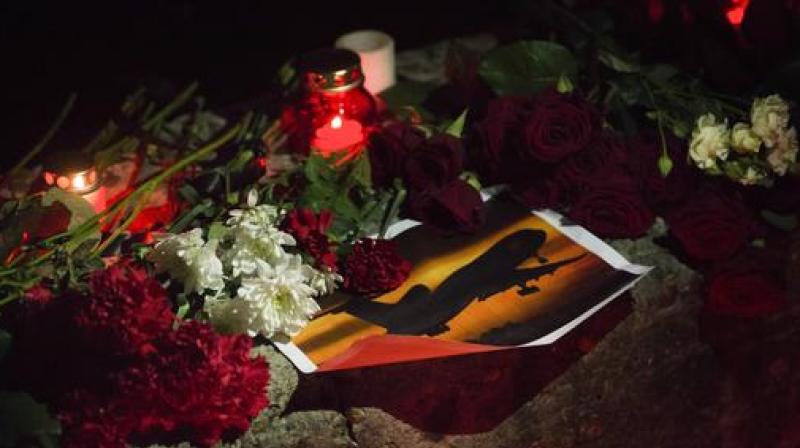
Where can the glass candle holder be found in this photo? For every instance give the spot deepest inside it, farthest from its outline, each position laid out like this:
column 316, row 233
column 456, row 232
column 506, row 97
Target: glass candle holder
column 333, row 111
column 75, row 172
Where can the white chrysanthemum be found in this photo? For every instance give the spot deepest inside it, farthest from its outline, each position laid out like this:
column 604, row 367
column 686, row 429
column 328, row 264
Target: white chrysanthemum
column 744, row 140
column 255, row 236
column 710, row 142
column 769, row 117
column 190, row 260
column 278, row 299
column 250, row 246
column 325, row 281
column 229, row 316
column 784, row 153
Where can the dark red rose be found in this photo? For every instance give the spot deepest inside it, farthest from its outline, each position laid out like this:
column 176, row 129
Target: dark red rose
column 490, row 140
column 374, row 267
column 613, row 210
column 434, row 163
column 456, row 207
column 659, row 191
column 603, row 161
column 308, row 229
column 538, row 193
column 124, row 310
column 744, row 291
column 558, row 126
column 710, row 226
column 387, row 150
column 197, row 385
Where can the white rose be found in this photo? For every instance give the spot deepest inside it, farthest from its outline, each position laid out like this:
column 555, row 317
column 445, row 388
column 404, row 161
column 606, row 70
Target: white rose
column 769, row 116
column 744, row 140
column 784, row 152
column 710, row 142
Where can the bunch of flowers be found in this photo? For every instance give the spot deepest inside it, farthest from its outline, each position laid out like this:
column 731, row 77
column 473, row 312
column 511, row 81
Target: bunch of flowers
column 124, row 374
column 431, row 170
column 553, row 153
column 748, row 153
column 250, row 280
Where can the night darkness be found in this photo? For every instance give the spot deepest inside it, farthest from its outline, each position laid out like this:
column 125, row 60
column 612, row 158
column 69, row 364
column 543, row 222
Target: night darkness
column 103, row 51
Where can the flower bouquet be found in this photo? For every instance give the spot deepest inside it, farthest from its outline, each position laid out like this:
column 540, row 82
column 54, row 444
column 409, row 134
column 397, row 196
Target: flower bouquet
column 116, row 332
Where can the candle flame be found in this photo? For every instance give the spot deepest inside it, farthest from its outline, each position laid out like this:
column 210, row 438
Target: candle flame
column 336, row 123
column 79, row 181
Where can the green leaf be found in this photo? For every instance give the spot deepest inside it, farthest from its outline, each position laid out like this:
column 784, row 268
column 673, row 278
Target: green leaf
column 408, row 94
column 80, row 210
column 617, row 63
column 783, row 222
column 564, row 85
column 664, row 165
column 217, row 231
column 360, row 172
column 23, row 421
column 660, row 73
column 456, row 128
column 524, row 68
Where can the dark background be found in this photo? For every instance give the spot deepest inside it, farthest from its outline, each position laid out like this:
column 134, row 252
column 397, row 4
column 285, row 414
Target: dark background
column 103, row 51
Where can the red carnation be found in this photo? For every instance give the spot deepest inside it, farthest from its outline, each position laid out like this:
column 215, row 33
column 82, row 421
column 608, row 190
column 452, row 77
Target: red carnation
column 196, row 385
column 374, row 267
column 124, row 310
column 308, row 229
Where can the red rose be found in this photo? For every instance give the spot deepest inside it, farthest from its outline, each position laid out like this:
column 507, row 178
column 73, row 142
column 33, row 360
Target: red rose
column 744, row 291
column 456, row 207
column 603, row 161
column 540, row 191
column 490, row 140
column 434, row 163
column 613, row 210
column 558, row 126
column 659, row 191
column 387, row 150
column 308, row 229
column 710, row 226
column 374, row 267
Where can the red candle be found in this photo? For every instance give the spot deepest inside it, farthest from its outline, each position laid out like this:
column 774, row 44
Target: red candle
column 339, row 134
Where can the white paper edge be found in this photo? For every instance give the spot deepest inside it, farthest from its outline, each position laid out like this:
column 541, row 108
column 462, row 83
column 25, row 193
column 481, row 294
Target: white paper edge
column 576, row 233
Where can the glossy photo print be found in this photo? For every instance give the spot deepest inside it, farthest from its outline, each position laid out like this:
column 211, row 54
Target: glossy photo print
column 525, row 279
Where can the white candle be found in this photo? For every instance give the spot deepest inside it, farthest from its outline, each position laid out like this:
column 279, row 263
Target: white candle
column 376, row 50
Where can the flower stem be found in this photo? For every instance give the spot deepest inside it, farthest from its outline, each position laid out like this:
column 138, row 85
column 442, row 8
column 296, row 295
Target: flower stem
column 47, row 136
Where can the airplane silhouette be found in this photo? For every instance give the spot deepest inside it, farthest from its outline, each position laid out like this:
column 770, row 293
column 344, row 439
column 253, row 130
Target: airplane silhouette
column 421, row 311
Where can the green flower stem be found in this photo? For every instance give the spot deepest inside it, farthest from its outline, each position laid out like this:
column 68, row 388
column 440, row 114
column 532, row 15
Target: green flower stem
column 174, row 105
column 47, row 136
column 660, row 125
column 90, row 225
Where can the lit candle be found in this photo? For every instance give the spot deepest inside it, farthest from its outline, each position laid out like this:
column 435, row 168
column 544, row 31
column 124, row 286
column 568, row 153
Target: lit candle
column 339, row 134
column 75, row 173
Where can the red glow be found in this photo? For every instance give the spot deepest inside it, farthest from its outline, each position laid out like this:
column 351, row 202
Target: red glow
column 736, row 11
column 338, row 134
